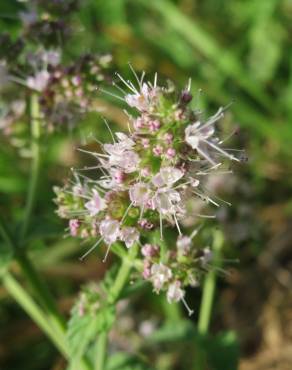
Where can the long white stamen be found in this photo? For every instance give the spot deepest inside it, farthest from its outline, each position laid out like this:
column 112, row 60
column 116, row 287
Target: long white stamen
column 160, row 225
column 106, row 253
column 135, row 74
column 189, row 85
column 111, row 94
column 177, row 224
column 108, row 127
column 90, row 250
column 126, row 83
column 195, row 232
column 155, row 80
column 190, row 311
column 142, row 78
column 216, row 147
column 204, row 216
column 206, row 156
column 119, row 88
column 127, row 211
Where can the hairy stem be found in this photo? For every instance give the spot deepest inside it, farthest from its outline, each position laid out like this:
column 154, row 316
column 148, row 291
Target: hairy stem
column 101, row 351
column 114, row 294
column 35, row 164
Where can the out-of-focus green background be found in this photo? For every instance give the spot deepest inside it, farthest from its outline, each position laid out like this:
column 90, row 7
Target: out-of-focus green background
column 237, row 51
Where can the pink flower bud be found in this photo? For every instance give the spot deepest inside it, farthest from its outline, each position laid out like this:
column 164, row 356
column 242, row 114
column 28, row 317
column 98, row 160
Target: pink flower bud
column 158, row 150
column 168, row 137
column 170, row 153
column 149, row 250
column 74, row 225
column 145, row 143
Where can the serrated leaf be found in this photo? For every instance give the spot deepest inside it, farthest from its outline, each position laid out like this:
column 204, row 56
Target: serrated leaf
column 83, row 330
column 223, row 351
column 173, row 331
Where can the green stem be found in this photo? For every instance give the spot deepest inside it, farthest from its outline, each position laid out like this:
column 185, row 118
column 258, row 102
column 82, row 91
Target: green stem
column 35, row 164
column 209, row 286
column 39, row 317
column 114, row 294
column 34, row 311
column 123, row 275
column 207, row 302
column 101, row 351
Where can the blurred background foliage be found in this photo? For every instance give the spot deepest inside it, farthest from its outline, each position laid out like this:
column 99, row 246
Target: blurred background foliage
column 238, row 52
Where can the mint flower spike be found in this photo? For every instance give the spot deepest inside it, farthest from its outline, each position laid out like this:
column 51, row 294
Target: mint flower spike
column 149, row 177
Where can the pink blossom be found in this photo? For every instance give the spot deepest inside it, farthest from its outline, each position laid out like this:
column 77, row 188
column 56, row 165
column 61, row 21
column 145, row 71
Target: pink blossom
column 170, row 153
column 74, row 225
column 160, row 274
column 109, row 230
column 149, row 250
column 158, row 150
column 139, row 193
column 129, row 235
column 167, row 176
column 142, row 99
column 39, row 81
column 183, row 244
column 96, row 204
column 174, row 292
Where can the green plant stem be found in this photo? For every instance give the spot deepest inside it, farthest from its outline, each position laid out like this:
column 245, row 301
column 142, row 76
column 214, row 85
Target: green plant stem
column 209, row 286
column 35, row 164
column 38, row 316
column 122, row 275
column 207, row 301
column 34, row 311
column 101, row 351
column 114, row 294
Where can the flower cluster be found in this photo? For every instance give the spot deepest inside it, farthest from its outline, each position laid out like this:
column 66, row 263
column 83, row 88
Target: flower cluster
column 31, row 62
column 147, row 178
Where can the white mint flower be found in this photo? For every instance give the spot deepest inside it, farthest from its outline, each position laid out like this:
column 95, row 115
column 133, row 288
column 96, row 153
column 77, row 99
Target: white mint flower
column 129, row 235
column 183, row 244
column 139, row 194
column 167, row 201
column 141, row 99
column 174, row 292
column 39, row 81
column 96, row 204
column 200, row 137
column 160, row 274
column 121, row 155
column 109, row 230
column 167, row 176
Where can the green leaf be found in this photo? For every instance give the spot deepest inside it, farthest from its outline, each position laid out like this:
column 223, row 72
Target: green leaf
column 182, row 330
column 84, row 329
column 223, row 351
